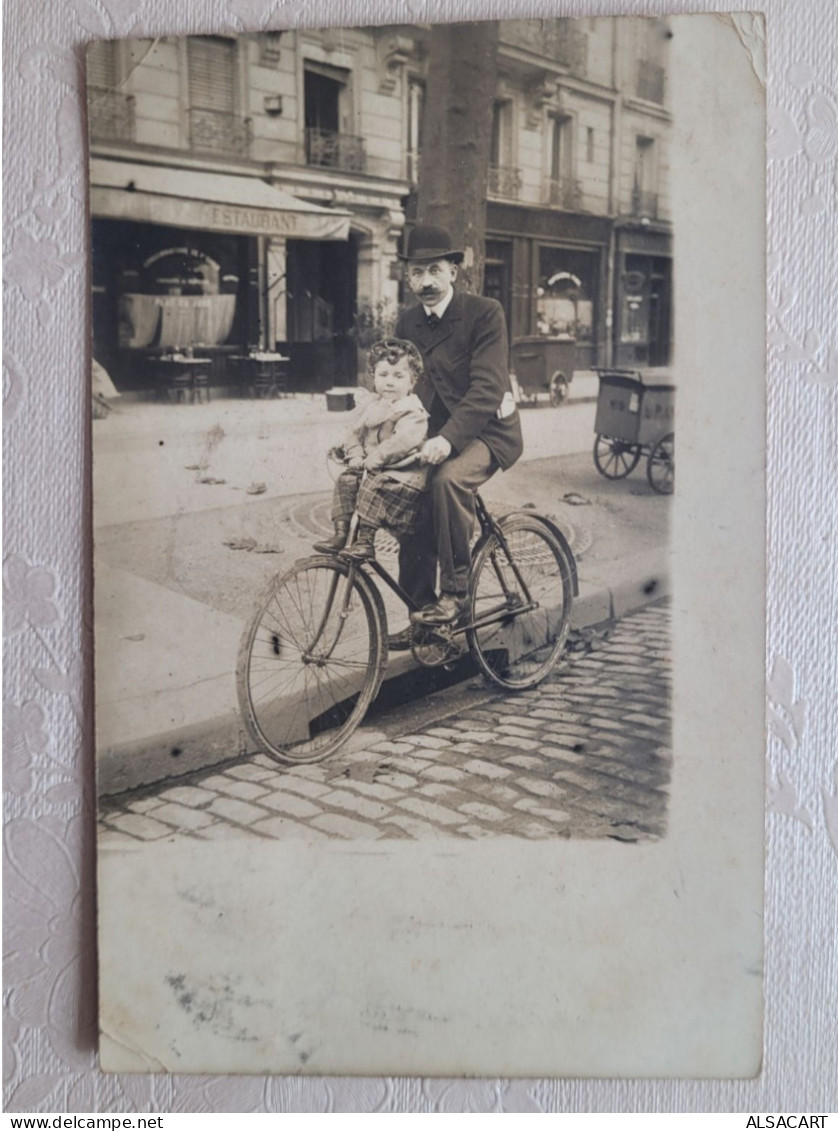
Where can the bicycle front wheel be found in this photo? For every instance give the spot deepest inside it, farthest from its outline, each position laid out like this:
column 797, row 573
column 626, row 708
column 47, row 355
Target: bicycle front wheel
column 311, row 660
column 520, row 603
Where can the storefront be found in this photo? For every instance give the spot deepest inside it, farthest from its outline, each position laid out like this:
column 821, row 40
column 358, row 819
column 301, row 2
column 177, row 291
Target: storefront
column 643, row 297
column 205, row 263
column 548, row 269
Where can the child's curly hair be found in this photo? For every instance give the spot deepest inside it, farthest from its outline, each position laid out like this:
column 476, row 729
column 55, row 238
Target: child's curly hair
column 392, row 349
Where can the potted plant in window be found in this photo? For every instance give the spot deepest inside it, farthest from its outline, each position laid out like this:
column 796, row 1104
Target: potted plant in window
column 371, row 322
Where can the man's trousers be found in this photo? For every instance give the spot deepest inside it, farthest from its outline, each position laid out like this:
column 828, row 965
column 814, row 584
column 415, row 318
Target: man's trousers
column 445, row 530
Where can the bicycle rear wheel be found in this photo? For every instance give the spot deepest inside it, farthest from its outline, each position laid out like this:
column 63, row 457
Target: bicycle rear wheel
column 520, row 614
column 311, row 660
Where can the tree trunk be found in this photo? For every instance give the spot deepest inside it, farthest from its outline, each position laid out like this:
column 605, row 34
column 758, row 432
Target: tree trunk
column 457, row 128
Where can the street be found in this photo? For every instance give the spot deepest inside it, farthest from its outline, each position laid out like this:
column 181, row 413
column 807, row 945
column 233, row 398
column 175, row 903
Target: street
column 199, row 506
column 586, row 754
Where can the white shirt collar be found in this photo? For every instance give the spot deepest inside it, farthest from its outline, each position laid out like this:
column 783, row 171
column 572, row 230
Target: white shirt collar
column 441, row 306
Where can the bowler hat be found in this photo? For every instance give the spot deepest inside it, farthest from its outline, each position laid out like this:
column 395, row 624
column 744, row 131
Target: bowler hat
column 426, row 242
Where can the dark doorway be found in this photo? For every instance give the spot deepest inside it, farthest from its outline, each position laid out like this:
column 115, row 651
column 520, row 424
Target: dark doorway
column 497, row 274
column 659, row 313
column 322, row 299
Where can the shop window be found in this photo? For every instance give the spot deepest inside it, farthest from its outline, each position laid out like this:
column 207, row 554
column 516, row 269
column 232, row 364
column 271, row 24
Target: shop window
column 635, row 313
column 212, row 74
column 566, row 293
column 177, row 298
column 327, row 114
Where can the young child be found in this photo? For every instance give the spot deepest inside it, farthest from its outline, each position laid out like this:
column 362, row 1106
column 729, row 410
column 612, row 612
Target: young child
column 385, row 432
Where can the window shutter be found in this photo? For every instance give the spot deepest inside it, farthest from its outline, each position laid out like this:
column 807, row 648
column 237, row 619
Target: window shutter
column 101, row 64
column 212, row 74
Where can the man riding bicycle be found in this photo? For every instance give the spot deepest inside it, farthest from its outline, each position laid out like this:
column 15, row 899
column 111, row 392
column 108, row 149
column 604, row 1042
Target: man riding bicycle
column 473, row 427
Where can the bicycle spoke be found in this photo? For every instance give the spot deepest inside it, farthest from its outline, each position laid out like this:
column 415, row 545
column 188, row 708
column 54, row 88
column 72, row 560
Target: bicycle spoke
column 519, row 649
column 311, row 661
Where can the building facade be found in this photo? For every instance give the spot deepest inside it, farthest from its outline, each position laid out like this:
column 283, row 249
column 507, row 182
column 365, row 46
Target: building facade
column 250, row 193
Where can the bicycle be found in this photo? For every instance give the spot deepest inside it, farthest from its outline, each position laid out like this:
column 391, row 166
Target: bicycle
column 313, row 655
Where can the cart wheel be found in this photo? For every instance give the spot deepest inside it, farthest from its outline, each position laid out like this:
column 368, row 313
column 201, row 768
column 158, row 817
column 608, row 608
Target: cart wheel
column 615, row 459
column 559, row 388
column 660, row 470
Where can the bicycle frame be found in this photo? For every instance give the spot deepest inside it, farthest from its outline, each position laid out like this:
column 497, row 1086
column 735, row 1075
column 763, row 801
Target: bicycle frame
column 513, row 605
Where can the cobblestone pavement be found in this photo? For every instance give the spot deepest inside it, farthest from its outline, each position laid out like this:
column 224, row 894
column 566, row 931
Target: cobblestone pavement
column 585, row 754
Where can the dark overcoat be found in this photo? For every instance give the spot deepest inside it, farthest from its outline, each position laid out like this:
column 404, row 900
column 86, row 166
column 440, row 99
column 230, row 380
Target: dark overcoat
column 466, row 374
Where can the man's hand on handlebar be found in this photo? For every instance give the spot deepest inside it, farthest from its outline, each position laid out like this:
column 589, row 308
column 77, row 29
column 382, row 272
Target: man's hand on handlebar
column 435, row 451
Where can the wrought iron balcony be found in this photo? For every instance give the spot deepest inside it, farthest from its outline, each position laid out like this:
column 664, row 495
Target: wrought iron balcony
column 557, row 39
column 334, row 150
column 564, row 192
column 111, row 114
column 215, row 131
column 644, row 204
column 504, row 182
column 650, row 81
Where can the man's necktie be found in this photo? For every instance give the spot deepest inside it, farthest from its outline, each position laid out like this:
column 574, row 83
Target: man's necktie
column 432, row 320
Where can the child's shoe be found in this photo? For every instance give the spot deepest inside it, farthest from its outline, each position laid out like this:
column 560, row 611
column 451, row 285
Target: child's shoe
column 363, row 548
column 337, row 541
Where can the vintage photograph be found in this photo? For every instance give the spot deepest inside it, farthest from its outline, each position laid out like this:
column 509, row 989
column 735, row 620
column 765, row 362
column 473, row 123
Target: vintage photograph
column 384, row 393
column 273, row 266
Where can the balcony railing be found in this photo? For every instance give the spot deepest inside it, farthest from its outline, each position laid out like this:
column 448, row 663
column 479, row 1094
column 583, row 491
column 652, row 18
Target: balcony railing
column 644, row 204
column 650, row 81
column 564, row 192
column 215, row 131
column 558, row 39
column 504, row 182
column 334, row 150
column 111, row 114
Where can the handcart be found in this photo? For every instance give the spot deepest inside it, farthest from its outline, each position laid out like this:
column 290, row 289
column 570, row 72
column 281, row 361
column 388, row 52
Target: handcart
column 633, row 418
column 544, row 365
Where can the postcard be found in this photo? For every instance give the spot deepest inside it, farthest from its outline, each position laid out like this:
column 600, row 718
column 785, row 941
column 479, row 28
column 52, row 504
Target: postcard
column 429, row 702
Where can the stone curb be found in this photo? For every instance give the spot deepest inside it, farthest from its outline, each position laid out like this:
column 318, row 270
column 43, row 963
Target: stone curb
column 217, row 740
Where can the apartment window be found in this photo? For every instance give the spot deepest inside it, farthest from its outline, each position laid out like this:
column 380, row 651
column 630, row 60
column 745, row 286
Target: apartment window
column 589, row 145
column 214, row 125
column 415, row 113
column 327, row 110
column 110, row 110
column 562, row 186
column 645, row 196
column 504, row 179
column 650, row 60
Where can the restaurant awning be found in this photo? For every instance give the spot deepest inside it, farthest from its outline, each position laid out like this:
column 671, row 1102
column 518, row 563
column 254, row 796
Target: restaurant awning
column 183, row 198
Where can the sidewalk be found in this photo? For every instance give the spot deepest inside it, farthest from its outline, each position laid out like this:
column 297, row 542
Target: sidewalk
column 173, row 595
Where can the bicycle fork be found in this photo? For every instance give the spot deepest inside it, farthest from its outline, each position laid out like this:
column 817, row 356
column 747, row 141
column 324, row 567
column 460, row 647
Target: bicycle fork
column 309, row 656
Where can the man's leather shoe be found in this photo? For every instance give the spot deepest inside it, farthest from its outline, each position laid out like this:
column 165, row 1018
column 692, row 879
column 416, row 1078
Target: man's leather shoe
column 400, row 641
column 448, row 609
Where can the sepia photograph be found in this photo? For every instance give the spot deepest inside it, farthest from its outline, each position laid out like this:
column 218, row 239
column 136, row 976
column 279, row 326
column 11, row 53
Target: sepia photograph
column 386, row 371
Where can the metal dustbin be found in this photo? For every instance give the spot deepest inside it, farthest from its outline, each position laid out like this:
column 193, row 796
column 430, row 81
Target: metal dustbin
column 544, row 365
column 657, row 413
column 618, row 405
column 340, row 400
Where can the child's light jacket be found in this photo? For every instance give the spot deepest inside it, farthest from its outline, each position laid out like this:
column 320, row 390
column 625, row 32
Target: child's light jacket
column 386, row 432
